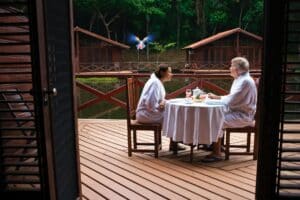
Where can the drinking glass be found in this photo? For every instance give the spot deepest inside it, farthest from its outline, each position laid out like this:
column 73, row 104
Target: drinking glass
column 188, row 93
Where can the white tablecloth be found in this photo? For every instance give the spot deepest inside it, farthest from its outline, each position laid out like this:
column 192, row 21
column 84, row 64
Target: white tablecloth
column 197, row 123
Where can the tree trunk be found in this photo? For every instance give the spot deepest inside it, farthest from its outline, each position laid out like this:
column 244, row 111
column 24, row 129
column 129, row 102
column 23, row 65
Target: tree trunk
column 240, row 17
column 107, row 23
column 92, row 21
column 107, row 31
column 201, row 18
column 204, row 31
column 178, row 24
column 124, row 29
column 197, row 8
column 147, row 32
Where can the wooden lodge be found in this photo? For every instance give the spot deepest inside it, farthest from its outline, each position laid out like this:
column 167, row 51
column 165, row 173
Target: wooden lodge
column 94, row 52
column 217, row 50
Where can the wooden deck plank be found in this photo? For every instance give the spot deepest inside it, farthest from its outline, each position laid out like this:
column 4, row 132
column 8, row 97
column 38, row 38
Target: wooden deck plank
column 90, row 194
column 105, row 180
column 123, row 180
column 168, row 182
column 149, row 175
column 188, row 175
column 106, row 166
column 105, row 191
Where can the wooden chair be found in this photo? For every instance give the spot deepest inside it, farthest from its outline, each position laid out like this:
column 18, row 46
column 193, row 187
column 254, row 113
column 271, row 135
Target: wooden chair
column 248, row 130
column 133, row 126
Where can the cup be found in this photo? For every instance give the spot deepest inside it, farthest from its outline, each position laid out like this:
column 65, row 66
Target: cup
column 188, row 93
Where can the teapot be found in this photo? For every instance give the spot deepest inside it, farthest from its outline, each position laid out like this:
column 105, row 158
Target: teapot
column 197, row 92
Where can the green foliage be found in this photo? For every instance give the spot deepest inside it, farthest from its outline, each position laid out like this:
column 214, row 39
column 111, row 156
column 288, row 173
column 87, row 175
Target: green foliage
column 98, row 81
column 217, row 17
column 161, row 48
column 183, row 21
column 253, row 16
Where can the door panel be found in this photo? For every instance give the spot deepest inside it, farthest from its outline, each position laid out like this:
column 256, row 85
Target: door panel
column 38, row 145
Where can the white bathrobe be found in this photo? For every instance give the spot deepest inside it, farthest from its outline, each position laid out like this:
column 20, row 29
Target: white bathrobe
column 240, row 103
column 153, row 94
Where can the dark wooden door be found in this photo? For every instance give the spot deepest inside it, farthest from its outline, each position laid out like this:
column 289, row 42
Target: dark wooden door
column 279, row 149
column 59, row 46
column 38, row 140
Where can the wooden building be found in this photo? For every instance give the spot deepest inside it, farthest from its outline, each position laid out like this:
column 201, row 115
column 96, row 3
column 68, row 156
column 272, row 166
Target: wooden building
column 217, row 50
column 94, row 52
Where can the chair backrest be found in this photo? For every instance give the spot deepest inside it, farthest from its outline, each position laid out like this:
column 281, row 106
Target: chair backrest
column 132, row 92
column 256, row 117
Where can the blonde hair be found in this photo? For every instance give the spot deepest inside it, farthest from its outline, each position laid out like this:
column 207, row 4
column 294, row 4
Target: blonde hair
column 242, row 63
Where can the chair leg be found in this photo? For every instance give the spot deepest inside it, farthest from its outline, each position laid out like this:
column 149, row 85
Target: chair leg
column 134, row 140
column 159, row 137
column 227, row 151
column 129, row 142
column 248, row 141
column 222, row 141
column 156, row 143
column 192, row 153
column 255, row 148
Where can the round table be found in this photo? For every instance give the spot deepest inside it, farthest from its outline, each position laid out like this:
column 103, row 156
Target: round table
column 193, row 122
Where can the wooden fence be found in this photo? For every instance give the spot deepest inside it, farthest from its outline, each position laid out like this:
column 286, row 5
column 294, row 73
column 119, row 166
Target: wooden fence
column 203, row 79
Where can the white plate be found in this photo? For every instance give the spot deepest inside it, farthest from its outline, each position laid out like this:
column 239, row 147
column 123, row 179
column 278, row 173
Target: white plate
column 213, row 102
column 177, row 100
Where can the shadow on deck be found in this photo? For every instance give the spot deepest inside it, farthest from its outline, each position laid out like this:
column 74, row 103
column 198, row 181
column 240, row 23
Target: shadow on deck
column 108, row 173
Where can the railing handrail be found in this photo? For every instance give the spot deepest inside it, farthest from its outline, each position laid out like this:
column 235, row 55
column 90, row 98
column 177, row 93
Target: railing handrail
column 206, row 74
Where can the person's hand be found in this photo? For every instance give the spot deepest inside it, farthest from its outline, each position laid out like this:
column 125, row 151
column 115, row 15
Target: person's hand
column 162, row 105
column 203, row 96
column 213, row 96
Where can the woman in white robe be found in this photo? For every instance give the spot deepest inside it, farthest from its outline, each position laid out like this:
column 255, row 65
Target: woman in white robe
column 240, row 103
column 152, row 101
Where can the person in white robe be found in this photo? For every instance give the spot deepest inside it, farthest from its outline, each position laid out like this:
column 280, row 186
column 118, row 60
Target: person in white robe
column 240, row 103
column 151, row 105
column 150, row 108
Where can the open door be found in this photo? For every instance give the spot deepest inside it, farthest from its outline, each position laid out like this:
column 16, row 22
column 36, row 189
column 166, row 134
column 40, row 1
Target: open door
column 55, row 32
column 279, row 149
column 38, row 138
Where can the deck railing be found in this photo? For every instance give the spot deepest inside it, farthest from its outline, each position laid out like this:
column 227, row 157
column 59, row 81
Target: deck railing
column 113, row 94
column 147, row 66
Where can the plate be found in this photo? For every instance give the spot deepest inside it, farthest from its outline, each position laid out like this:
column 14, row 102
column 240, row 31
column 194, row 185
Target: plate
column 198, row 100
column 177, row 100
column 188, row 101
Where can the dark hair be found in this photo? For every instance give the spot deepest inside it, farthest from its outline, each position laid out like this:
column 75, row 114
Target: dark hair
column 161, row 68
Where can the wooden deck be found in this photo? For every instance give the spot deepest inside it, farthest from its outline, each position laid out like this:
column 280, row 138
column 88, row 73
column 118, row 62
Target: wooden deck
column 108, row 173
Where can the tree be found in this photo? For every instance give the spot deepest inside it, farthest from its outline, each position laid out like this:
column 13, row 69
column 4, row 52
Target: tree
column 254, row 16
column 243, row 5
column 201, row 17
column 107, row 11
column 217, row 14
column 150, row 8
column 183, row 21
column 160, row 48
